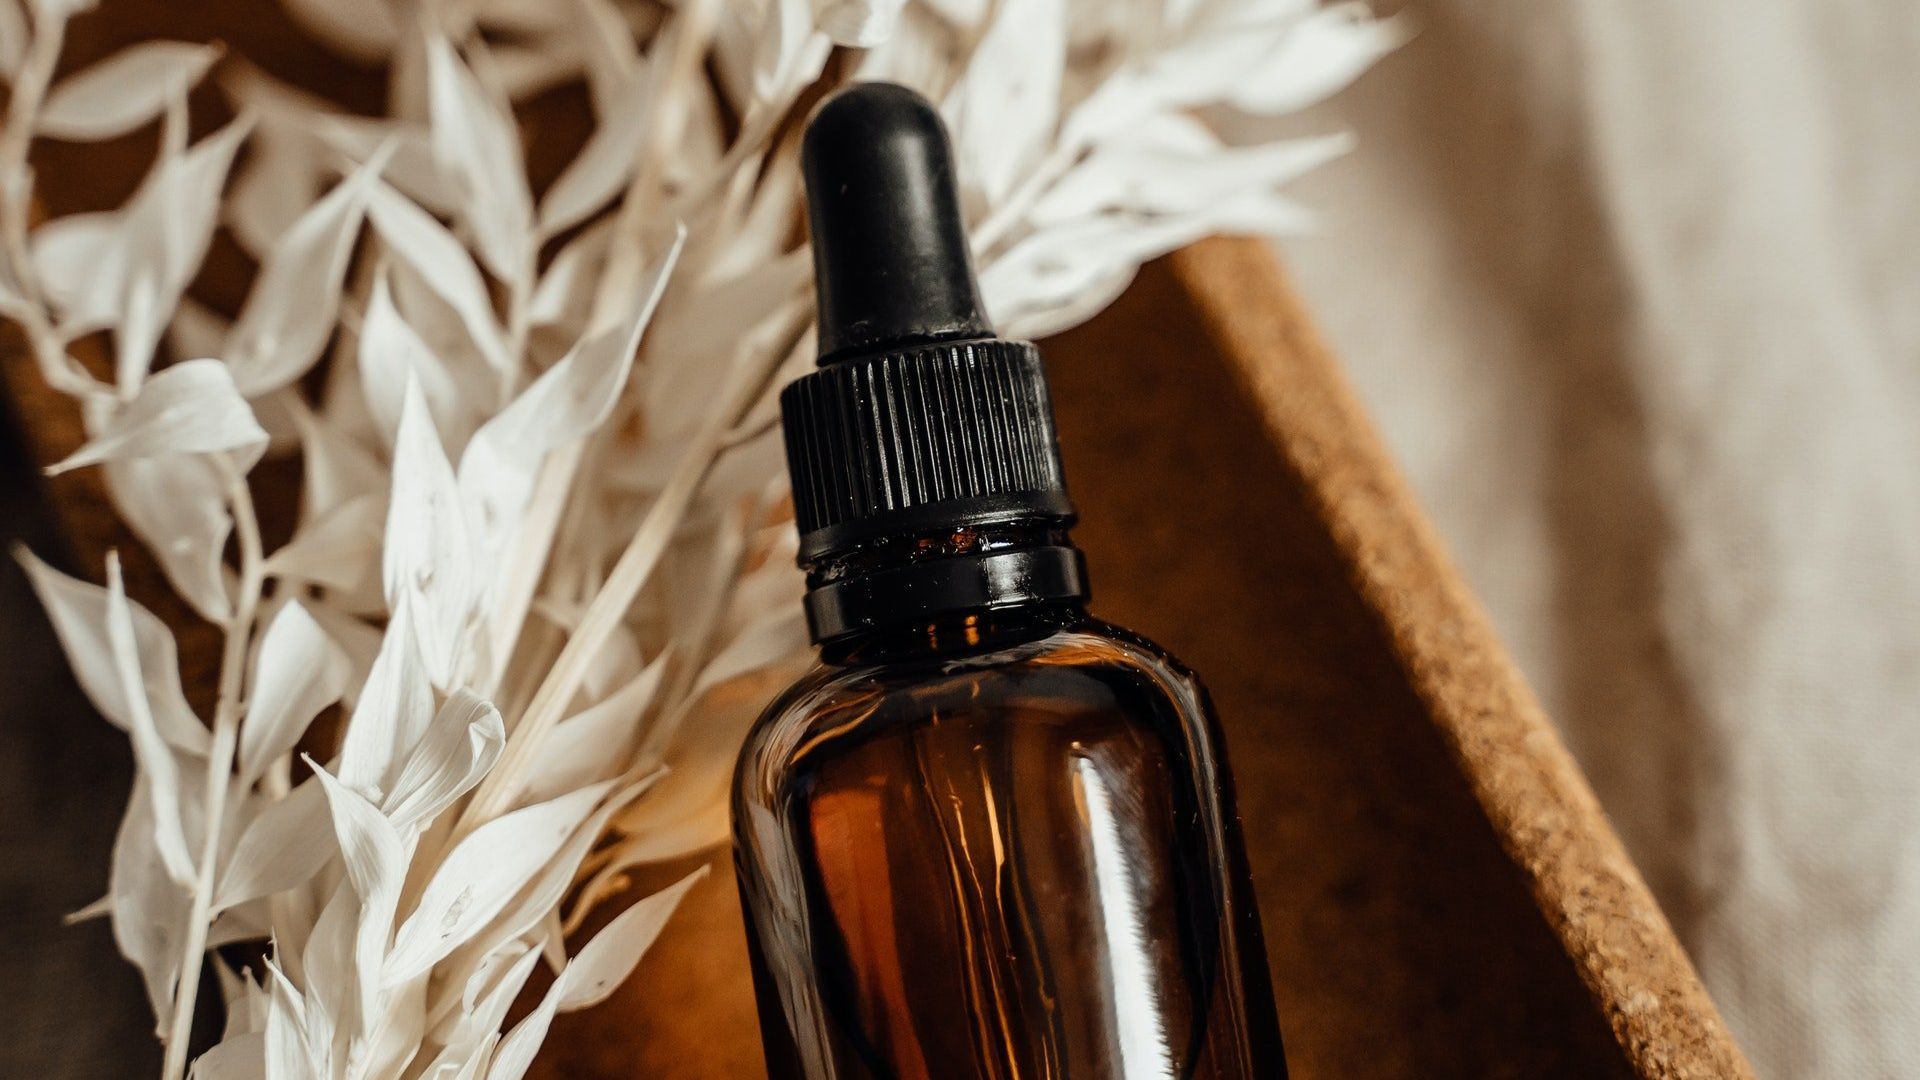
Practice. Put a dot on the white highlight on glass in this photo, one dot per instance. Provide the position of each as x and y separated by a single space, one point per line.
1141 1029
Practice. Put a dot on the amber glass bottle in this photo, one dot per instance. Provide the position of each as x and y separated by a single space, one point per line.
989 837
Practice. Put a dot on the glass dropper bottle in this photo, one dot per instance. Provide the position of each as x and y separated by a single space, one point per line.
988 837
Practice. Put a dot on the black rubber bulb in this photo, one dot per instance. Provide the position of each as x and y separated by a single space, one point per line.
890 254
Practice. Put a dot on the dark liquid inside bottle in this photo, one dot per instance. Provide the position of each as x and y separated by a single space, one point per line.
1000 847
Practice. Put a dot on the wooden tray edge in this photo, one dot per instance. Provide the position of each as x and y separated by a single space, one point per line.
1536 799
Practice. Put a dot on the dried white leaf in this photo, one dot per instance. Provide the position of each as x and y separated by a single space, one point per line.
392 356
514 1055
474 138
139 332
481 876
766 52
149 907
461 744
279 181
686 813
79 613
362 30
591 976
165 234
1257 59
243 922
290 1044
763 231
443 265
282 847
339 550
291 309
1030 289
151 753
696 822
926 50
238 1057
1004 110
599 172
393 711
376 860
59 9
329 972
568 402
686 343
177 505
524 70
485 999
358 639
190 408
617 662
969 13
550 885
595 743
611 56
372 849
1318 56
860 24
429 563
567 286
123 91
319 128
278 412
615 951
398 1033
89 263
70 254
776 637
1171 164
298 672
337 470
98 909
444 331
179 202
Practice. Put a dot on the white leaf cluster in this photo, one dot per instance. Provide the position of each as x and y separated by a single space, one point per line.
542 576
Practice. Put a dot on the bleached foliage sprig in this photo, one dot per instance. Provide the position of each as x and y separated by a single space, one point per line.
541 564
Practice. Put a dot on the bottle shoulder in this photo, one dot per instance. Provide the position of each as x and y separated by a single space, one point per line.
1088 648
1088 668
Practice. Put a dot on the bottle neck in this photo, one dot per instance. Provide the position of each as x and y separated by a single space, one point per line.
935 582
954 635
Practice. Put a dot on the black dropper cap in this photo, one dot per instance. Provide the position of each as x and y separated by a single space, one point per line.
890 256
919 419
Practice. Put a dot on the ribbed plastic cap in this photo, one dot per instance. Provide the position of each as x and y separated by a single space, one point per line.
918 419
947 436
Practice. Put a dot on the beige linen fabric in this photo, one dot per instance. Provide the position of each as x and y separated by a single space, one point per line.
1633 288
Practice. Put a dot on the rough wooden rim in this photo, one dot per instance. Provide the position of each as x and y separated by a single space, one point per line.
1536 799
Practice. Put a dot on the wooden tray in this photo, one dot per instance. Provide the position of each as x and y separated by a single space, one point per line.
1441 893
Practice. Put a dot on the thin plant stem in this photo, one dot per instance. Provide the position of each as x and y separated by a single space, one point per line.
16 207
226 731
29 91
